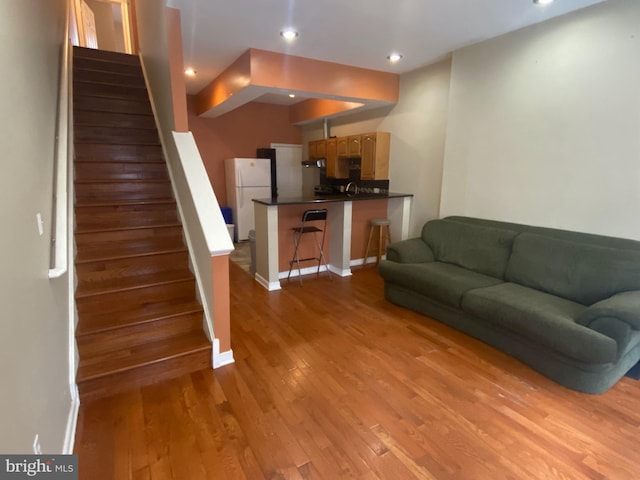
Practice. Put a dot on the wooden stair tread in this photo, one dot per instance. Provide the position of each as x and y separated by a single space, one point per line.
133 282
118 228
90 118
101 153
93 103
126 217
118 203
91 368
137 181
129 248
95 322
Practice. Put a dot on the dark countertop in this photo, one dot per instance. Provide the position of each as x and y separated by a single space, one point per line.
340 197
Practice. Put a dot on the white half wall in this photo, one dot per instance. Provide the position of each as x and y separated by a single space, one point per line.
544 124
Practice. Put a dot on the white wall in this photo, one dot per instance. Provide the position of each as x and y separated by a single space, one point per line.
544 124
34 356
417 124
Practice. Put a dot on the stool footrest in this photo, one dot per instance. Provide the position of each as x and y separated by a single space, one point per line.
291 262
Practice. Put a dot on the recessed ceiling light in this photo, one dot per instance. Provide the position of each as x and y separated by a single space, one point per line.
289 34
542 2
292 95
189 71
394 57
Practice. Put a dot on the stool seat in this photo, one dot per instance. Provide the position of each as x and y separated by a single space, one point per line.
383 226
379 222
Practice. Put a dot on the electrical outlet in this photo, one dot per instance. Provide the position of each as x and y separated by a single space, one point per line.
40 224
36 445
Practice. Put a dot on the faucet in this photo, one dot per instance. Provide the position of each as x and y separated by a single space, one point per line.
347 189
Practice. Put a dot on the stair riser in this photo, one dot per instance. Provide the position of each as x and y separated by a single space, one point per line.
93 238
111 91
122 192
115 135
147 375
112 302
120 171
109 67
93 218
133 336
88 273
115 105
119 153
98 77
110 119
105 56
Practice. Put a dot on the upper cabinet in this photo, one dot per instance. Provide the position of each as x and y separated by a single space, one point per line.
354 145
335 168
375 156
372 148
343 149
317 149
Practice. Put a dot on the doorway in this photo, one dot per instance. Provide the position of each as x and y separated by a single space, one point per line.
103 24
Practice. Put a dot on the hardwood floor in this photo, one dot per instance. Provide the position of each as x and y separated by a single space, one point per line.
331 381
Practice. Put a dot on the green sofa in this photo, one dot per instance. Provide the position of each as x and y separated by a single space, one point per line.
565 303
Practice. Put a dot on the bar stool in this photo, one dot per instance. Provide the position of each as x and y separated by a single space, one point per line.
319 215
383 225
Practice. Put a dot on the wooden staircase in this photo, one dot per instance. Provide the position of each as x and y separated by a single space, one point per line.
139 321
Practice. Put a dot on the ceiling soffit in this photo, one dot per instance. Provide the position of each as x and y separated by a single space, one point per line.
331 88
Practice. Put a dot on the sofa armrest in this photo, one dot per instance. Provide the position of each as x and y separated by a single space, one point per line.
412 250
623 306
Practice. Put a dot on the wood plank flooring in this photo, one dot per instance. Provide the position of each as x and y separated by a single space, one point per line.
331 382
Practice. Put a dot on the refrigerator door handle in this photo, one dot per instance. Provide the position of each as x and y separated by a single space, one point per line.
239 178
240 197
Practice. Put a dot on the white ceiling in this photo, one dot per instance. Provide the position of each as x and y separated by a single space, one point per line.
353 32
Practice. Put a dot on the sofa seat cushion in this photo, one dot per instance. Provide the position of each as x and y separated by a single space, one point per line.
542 318
443 282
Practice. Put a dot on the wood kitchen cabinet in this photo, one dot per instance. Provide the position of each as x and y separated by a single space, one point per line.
313 150
343 149
336 167
317 149
375 156
354 145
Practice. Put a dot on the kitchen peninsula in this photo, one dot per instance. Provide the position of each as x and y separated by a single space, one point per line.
347 227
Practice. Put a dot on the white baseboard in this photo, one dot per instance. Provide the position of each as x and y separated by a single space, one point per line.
220 359
266 284
369 260
346 272
72 422
302 271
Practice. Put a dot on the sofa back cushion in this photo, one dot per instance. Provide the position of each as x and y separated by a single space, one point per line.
482 249
579 272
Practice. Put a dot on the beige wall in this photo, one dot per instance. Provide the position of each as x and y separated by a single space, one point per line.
418 126
544 124
34 355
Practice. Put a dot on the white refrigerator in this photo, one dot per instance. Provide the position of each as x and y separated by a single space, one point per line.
247 178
